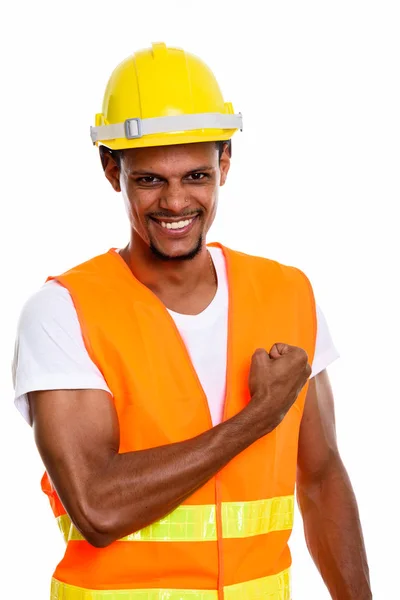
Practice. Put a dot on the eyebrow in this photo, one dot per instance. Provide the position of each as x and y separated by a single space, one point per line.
153 174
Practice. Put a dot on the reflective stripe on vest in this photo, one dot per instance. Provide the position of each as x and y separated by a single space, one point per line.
189 523
273 587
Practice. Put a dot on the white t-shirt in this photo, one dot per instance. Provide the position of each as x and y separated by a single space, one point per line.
50 353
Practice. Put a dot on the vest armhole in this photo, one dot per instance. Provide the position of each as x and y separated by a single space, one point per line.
311 297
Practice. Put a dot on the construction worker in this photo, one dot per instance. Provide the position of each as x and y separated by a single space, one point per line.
177 390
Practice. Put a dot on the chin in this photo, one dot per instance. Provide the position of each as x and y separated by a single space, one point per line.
182 254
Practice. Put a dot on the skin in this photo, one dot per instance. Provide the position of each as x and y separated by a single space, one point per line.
171 182
109 495
327 501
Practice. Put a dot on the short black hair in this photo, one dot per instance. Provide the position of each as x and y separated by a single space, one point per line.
117 154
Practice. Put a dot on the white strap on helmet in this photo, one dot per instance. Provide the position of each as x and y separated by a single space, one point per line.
136 128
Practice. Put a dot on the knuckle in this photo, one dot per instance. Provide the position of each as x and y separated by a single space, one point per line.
302 356
259 353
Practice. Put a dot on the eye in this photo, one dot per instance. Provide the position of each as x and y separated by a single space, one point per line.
147 180
198 176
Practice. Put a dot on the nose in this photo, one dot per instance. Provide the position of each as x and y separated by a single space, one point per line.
174 197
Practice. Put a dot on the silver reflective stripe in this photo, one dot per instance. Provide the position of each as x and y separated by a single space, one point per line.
136 128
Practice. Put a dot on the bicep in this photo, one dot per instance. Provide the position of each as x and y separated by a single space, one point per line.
317 439
76 432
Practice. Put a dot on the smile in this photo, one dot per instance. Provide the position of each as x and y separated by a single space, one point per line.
176 224
175 227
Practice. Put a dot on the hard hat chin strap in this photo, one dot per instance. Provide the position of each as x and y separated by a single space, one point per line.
136 128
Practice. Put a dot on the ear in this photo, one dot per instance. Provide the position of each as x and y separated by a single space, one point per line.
110 166
225 163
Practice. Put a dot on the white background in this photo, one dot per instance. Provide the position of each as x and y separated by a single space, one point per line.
314 183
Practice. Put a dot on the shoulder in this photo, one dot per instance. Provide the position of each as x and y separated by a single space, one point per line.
48 303
263 267
49 295
54 299
92 266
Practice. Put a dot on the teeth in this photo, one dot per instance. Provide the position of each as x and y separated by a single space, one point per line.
176 225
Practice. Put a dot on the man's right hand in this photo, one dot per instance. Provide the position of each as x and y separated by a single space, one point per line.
276 379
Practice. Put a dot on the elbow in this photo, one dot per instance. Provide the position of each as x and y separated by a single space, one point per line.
316 473
314 486
101 530
100 521
96 527
98 539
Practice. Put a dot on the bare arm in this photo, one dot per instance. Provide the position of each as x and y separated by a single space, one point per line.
109 495
327 502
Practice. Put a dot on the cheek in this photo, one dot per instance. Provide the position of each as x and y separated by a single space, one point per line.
213 204
128 207
136 206
212 215
208 198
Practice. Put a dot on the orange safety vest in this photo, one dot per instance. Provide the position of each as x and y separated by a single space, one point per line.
228 541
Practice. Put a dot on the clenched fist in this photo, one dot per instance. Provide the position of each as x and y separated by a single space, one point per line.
276 379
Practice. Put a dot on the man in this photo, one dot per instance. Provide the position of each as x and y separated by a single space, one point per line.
168 383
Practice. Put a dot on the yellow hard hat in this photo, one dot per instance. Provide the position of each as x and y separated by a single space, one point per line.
162 96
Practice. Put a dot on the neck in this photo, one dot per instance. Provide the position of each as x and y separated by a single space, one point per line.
175 282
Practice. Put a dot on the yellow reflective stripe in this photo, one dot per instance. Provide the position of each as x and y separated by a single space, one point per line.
273 587
192 523
186 523
63 591
66 527
245 519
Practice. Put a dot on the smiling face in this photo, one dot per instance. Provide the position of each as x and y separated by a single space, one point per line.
171 195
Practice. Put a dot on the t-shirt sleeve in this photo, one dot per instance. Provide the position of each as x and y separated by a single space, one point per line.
325 350
50 353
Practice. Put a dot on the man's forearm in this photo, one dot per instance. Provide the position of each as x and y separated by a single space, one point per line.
333 532
109 494
139 488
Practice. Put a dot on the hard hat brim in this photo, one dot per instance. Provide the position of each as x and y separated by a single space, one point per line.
169 139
